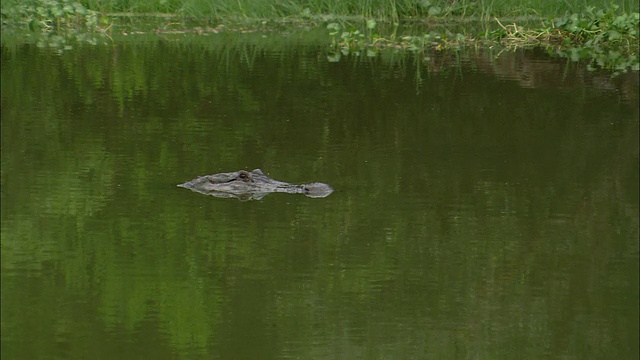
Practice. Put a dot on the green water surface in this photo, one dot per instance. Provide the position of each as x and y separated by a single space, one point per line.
484 208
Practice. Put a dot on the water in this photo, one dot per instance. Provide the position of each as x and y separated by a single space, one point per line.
484 208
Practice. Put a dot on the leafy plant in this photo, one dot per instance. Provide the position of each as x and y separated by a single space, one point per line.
53 15
603 37
597 26
56 22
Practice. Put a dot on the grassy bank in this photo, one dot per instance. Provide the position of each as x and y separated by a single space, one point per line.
602 32
380 10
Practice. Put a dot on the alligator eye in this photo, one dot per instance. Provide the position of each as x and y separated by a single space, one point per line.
244 177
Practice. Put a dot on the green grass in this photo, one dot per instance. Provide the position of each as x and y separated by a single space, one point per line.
386 10
604 31
382 10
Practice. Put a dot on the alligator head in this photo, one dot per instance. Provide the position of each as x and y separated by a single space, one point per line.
251 185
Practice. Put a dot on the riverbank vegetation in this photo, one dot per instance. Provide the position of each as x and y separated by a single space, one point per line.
603 33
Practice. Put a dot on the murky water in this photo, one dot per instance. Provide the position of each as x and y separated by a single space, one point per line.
484 208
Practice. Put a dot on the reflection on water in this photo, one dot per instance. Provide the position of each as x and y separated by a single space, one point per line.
484 207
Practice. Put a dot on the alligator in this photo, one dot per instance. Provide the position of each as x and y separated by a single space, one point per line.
251 185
